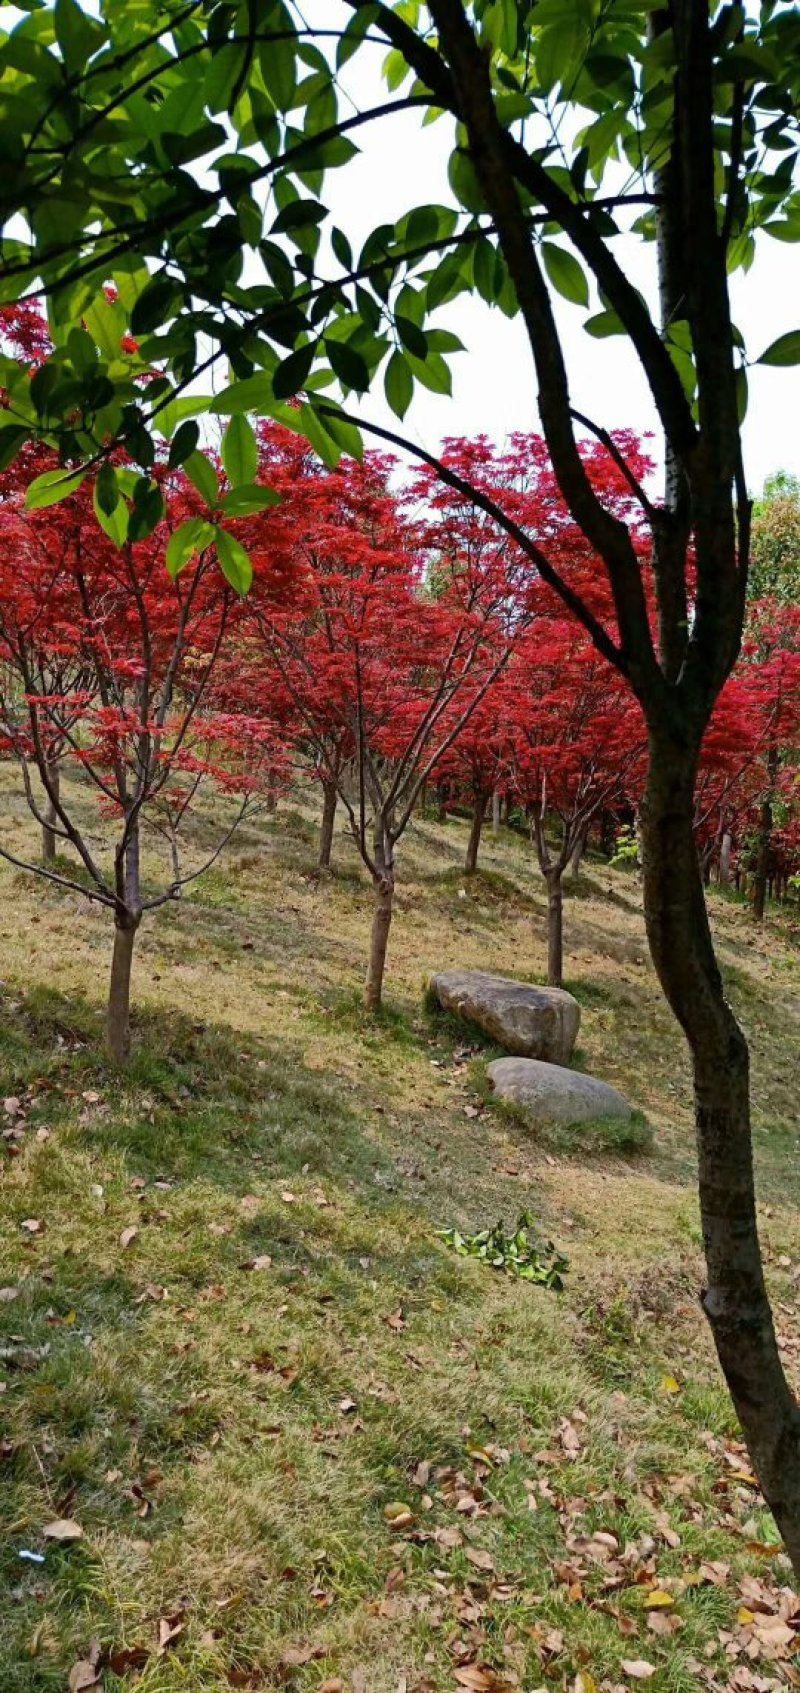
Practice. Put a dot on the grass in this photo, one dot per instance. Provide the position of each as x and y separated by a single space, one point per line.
237 1442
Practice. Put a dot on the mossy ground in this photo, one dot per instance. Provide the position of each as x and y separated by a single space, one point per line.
229 1437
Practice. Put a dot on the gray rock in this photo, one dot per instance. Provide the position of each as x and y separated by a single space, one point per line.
553 1094
533 1022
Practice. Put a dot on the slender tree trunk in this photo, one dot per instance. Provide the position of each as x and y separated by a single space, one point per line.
118 1025
761 877
473 844
49 837
735 1300
725 860
555 927
127 917
578 851
496 807
329 800
383 900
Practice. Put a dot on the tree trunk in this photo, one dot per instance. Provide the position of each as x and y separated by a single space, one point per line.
577 853
383 899
725 860
118 1025
478 810
735 1300
761 877
555 928
383 896
329 799
496 808
49 837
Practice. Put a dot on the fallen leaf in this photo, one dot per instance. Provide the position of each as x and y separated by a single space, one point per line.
398 1514
469 1675
658 1600
7 1294
638 1669
670 1384
124 1658
169 1629
128 1236
85 1673
32 1225
481 1560
63 1529
294 1657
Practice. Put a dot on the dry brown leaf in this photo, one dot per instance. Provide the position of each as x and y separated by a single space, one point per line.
638 1669
64 1529
294 1657
128 1236
469 1675
169 1628
121 1659
32 1225
84 1674
481 1560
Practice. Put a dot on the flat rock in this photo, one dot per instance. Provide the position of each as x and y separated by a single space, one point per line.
533 1022
553 1094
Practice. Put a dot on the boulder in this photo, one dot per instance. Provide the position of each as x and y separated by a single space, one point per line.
553 1094
533 1022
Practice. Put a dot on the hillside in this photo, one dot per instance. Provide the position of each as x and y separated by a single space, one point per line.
235 1400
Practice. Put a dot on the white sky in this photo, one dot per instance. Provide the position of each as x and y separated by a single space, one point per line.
401 164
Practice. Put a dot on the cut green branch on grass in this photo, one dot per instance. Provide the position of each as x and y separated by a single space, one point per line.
519 1253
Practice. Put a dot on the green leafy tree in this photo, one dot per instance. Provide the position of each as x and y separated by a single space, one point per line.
160 146
775 545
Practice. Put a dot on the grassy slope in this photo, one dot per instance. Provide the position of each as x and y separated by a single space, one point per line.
229 1437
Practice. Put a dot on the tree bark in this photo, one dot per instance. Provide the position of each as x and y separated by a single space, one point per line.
496 810
761 877
735 1300
578 851
49 837
725 860
329 800
473 844
118 1026
555 928
383 900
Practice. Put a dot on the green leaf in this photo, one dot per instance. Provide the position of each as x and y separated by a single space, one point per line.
77 35
147 509
412 337
277 63
189 538
602 324
786 350
11 439
183 442
244 500
398 383
253 393
565 273
106 489
109 509
154 305
240 450
203 477
351 369
51 487
292 373
234 562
